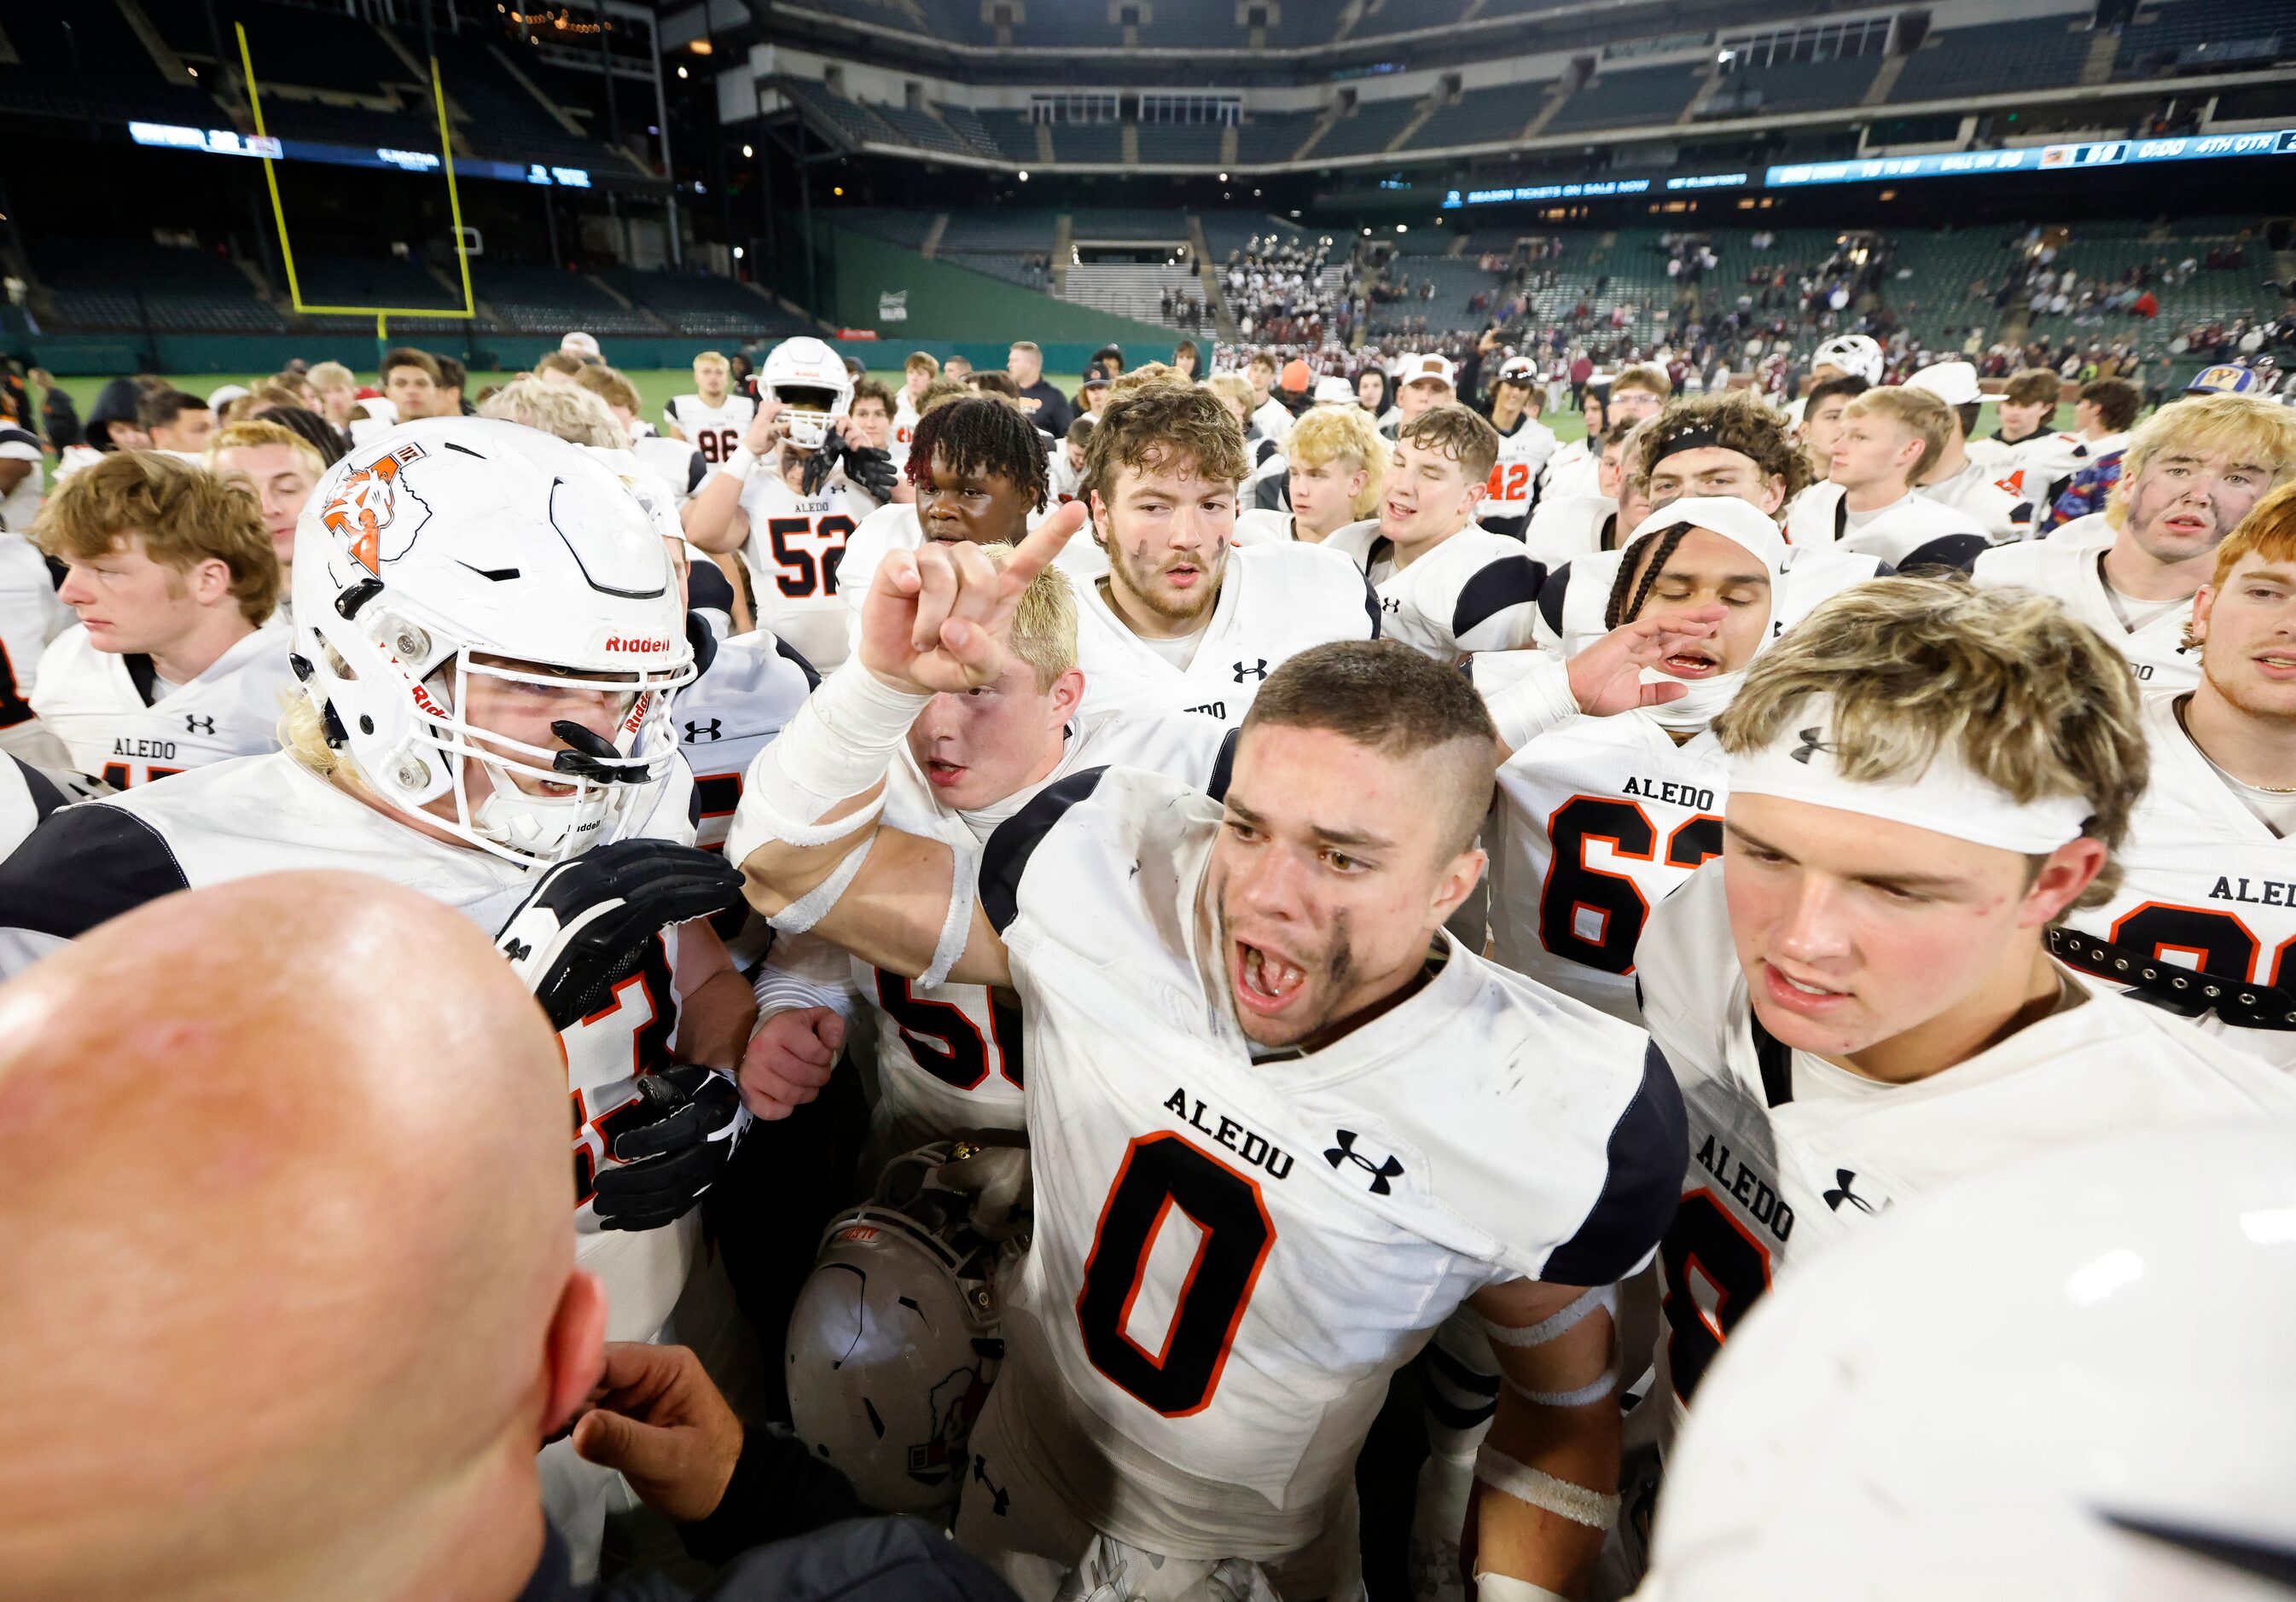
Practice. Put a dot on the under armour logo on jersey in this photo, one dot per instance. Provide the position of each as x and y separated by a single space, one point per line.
1386 1168
1258 670
1842 1179
196 724
517 951
1809 743
695 730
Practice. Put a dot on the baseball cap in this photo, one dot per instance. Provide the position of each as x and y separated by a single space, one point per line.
1295 376
1095 377
581 344
1953 382
2224 377
1430 364
1519 370
1334 392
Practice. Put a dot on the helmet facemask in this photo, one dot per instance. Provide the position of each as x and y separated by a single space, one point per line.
807 413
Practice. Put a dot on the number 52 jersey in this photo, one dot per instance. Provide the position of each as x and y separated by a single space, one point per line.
1233 1255
2204 884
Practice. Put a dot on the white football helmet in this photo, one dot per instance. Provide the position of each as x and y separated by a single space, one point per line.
894 1341
451 540
2069 1378
812 385
1853 353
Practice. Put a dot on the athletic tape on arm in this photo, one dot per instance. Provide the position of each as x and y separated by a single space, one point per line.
1565 1498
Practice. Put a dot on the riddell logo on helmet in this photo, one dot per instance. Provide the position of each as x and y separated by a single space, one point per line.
645 648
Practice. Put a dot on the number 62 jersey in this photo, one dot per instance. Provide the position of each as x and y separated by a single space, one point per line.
2204 884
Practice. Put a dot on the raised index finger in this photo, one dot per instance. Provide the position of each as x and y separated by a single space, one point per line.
1035 553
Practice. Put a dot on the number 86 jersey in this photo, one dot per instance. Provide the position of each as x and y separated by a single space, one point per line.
2204 883
1597 820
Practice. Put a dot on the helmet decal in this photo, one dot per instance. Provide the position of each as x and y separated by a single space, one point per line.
374 498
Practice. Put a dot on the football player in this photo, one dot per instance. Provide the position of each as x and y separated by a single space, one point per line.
178 423
2081 480
1636 395
1566 526
1953 477
1845 355
1867 504
1278 1119
713 417
1335 465
680 466
410 382
176 660
1185 620
1421 382
1821 419
2190 475
1269 415
1446 585
2209 874
917 374
948 1056
280 467
1525 444
1857 998
2028 403
785 500
22 480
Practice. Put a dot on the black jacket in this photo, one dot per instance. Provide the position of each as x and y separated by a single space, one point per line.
1054 414
863 1560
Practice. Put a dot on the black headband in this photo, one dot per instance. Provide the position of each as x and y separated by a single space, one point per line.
1696 437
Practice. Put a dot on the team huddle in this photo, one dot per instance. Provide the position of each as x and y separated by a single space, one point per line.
1318 904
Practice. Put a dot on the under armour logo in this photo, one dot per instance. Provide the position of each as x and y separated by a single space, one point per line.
1258 670
195 724
518 950
1809 742
698 730
1385 1169
1842 1177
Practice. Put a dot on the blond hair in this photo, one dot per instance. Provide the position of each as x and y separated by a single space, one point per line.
2247 427
184 514
1645 376
1326 434
712 358
1043 627
302 731
568 411
1917 411
253 435
327 376
2031 700
608 384
1232 387
922 361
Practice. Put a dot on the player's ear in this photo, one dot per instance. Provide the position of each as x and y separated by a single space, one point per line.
2058 880
210 582
1458 882
573 1349
1773 495
1067 693
1099 519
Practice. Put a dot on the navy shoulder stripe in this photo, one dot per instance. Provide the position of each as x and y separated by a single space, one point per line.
1006 855
1649 1147
84 865
1223 766
1512 581
1371 601
1551 594
789 653
697 469
707 586
1956 553
45 797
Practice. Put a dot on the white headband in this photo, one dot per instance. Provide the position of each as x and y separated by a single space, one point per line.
1740 521
1949 797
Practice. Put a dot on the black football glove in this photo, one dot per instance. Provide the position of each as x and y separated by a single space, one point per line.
585 925
661 1168
822 462
871 468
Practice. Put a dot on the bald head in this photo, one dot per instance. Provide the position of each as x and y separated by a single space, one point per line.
287 1218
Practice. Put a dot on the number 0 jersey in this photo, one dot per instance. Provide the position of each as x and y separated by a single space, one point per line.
2204 884
1597 821
795 549
266 814
1233 1255
1783 1160
122 727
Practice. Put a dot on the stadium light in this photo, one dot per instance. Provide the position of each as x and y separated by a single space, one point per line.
738 253
1403 227
681 72
1223 177
747 153
1024 177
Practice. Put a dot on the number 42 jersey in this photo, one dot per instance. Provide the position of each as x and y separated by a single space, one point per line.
2204 884
1234 1254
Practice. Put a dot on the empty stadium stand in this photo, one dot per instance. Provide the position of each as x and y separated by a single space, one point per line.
2185 35
1622 98
1995 58
107 286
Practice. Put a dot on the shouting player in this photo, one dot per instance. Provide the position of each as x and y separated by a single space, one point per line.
1253 1048
176 660
2188 478
1859 998
2209 874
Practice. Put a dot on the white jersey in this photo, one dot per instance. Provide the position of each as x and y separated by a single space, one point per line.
1273 420
794 556
1597 821
1232 1255
1274 602
21 505
715 431
30 616
949 1056
1475 591
752 687
1514 485
2204 884
122 726
678 464
1067 482
1789 1154
904 429
2073 571
2000 515
266 814
1820 516
1562 530
1573 470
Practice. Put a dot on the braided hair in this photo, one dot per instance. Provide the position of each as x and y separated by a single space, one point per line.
985 435
1627 596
